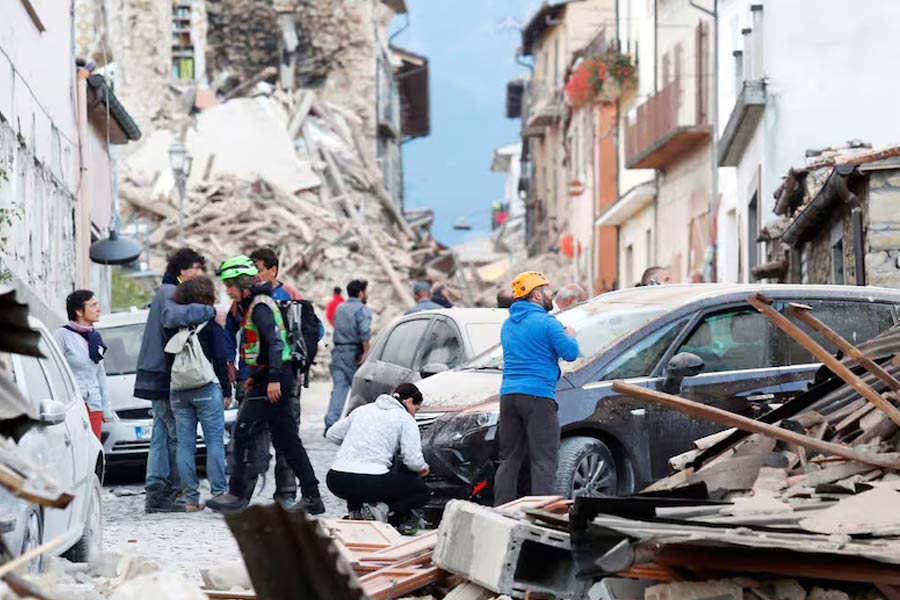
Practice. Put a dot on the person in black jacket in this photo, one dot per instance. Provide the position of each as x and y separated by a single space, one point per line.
266 352
205 404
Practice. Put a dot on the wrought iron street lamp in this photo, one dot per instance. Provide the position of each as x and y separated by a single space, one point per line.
180 162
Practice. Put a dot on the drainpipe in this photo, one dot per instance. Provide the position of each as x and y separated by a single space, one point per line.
859 253
82 271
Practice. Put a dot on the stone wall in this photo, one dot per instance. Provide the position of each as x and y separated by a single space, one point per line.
37 229
883 229
339 43
819 263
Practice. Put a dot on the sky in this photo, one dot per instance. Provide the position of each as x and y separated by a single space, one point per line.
471 47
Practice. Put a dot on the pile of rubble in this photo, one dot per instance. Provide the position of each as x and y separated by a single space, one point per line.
283 170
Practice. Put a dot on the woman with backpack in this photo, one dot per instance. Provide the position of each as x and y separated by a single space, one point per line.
194 401
83 348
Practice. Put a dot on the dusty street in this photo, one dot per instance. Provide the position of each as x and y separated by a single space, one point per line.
188 543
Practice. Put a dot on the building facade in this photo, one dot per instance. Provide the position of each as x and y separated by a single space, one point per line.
785 91
57 123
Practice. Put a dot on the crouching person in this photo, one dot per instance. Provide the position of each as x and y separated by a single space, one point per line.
365 473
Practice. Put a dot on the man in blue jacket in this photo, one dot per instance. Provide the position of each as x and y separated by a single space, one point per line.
154 371
533 342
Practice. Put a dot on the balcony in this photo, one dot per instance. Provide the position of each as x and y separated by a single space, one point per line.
543 106
666 128
746 114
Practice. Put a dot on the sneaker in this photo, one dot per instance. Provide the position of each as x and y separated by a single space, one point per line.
410 525
311 504
377 511
227 503
155 503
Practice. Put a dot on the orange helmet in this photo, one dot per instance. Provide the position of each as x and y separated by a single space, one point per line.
527 281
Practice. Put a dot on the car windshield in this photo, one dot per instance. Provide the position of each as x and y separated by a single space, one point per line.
123 344
483 335
596 325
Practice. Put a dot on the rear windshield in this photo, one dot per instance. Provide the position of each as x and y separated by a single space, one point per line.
123 345
596 326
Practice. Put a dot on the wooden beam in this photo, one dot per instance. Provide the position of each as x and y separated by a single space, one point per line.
728 419
762 304
803 313
243 88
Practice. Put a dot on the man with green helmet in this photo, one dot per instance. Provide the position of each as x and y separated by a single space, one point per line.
265 350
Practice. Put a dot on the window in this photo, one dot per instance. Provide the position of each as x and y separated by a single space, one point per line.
641 358
59 379
400 348
752 233
124 346
837 262
35 381
483 335
856 322
443 345
731 341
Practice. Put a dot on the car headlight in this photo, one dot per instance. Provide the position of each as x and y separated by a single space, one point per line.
454 429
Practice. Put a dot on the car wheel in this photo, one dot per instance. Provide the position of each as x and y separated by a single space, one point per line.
32 537
91 542
586 468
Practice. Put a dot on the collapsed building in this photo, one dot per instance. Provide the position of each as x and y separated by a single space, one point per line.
293 114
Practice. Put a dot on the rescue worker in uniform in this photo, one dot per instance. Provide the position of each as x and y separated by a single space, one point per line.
352 330
533 343
266 352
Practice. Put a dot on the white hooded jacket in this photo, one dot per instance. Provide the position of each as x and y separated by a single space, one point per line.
371 435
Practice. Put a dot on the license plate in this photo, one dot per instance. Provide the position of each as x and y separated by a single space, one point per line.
141 432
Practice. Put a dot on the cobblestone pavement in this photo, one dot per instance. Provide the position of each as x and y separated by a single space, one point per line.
190 542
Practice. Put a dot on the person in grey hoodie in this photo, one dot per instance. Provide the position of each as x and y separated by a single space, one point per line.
365 472
153 377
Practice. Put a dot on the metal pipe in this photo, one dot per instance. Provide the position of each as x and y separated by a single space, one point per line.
858 250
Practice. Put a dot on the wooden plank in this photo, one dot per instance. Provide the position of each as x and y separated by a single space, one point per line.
738 473
363 534
225 595
854 417
723 417
762 304
803 313
832 473
29 555
416 545
243 88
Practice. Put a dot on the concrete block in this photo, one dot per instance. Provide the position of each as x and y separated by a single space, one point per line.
619 588
469 591
696 590
505 555
227 576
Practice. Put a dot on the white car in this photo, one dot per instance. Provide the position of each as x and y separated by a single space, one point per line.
65 447
126 439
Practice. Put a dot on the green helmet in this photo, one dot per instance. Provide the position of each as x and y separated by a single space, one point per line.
237 266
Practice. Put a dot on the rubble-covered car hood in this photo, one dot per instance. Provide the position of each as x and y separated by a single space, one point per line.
453 391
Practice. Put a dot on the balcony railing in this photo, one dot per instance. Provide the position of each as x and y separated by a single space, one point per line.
543 105
663 129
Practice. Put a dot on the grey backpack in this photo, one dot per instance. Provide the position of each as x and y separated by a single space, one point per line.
191 369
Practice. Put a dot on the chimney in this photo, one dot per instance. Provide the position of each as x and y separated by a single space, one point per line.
749 73
757 11
738 71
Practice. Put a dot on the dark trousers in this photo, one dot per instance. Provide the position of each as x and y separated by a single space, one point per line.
528 425
285 481
257 414
401 489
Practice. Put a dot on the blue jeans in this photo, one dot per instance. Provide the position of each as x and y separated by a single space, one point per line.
162 473
343 367
203 405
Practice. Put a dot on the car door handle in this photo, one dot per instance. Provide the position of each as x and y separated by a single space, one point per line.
68 439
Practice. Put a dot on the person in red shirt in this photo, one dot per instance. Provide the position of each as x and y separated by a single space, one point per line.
336 300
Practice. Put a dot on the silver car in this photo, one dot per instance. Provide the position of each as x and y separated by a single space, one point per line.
64 446
126 439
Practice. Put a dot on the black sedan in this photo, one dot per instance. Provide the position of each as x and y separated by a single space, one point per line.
650 337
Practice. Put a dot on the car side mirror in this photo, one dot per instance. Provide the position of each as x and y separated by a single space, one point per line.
433 369
683 364
53 411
